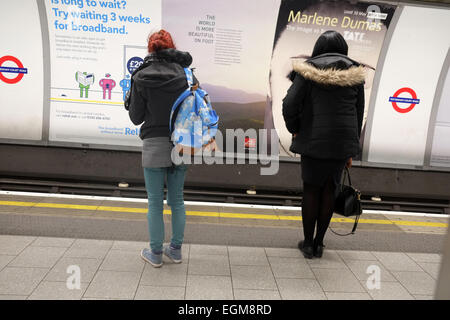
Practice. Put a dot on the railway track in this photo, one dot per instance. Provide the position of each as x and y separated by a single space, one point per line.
369 202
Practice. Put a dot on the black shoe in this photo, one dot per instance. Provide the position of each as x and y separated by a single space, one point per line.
307 251
318 251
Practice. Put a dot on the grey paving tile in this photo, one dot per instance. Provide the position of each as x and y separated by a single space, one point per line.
12 297
129 245
52 242
113 284
208 288
283 252
88 268
56 291
247 256
416 282
431 268
329 260
169 275
209 265
20 281
90 243
86 248
13 245
95 252
355 255
425 257
347 296
300 289
291 268
338 280
253 277
361 270
4 260
248 251
199 249
243 294
422 297
120 260
397 261
38 257
389 291
160 293
103 299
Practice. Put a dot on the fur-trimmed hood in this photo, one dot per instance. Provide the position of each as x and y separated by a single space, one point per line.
331 69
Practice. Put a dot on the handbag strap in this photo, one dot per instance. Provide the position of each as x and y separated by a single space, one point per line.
353 229
347 174
355 225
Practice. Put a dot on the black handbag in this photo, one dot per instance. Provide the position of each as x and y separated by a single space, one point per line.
348 201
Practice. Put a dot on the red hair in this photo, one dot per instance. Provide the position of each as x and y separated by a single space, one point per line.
159 41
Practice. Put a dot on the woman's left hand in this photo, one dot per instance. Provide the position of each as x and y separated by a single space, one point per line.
349 163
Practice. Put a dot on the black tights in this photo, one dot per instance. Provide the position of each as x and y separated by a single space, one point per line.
317 207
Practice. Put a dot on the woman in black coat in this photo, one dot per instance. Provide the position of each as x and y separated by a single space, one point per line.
324 109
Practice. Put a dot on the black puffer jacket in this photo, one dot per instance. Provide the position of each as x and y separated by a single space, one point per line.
325 107
155 90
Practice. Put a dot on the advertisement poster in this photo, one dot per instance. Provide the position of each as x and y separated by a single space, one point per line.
21 71
231 51
299 25
407 88
95 45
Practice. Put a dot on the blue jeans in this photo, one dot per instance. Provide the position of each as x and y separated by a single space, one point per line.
154 183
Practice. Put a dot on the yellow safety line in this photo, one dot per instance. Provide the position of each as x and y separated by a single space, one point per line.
87 101
217 214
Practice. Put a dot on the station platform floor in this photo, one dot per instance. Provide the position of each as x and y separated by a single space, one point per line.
230 252
36 268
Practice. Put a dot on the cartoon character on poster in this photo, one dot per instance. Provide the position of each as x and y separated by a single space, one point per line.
85 80
107 84
125 84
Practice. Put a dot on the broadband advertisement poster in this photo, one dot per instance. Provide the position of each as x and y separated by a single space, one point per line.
95 45
299 25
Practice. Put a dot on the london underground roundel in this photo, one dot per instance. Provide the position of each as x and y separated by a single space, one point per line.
19 70
410 102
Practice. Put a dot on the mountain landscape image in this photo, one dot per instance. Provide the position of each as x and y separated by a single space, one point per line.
236 109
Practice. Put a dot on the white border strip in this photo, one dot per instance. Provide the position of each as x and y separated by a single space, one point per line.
209 204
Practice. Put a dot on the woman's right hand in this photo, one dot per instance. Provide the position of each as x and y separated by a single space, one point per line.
349 163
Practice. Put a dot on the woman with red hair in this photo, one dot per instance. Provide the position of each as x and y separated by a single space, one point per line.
155 89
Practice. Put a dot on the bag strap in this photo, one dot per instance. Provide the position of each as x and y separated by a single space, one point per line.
176 104
189 77
346 175
184 95
355 225
353 229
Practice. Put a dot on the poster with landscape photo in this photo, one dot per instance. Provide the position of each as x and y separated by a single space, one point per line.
231 45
